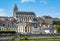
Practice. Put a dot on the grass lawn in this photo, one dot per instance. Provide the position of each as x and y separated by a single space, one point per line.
41 39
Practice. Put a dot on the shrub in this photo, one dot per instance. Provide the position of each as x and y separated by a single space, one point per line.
7 31
57 27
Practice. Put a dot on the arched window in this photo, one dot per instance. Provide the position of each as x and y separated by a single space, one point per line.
25 29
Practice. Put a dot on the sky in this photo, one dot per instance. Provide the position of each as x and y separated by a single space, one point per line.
39 7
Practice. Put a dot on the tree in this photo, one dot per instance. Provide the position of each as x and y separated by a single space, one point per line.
56 22
25 38
57 27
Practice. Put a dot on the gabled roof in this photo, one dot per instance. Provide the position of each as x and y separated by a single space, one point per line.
32 24
56 19
47 16
25 13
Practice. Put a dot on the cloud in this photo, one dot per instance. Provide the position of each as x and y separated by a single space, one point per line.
43 1
23 1
2 12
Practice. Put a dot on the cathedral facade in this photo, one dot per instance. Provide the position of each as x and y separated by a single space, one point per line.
22 16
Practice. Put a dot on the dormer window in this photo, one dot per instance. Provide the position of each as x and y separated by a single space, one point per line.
35 27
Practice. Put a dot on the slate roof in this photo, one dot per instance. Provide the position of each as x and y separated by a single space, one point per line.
25 13
47 16
32 24
5 17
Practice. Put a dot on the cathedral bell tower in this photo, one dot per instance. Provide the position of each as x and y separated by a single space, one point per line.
14 11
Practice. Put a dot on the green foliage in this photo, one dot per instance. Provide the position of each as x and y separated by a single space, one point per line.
56 22
25 37
57 27
7 31
12 39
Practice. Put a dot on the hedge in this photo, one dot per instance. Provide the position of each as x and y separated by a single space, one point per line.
7 31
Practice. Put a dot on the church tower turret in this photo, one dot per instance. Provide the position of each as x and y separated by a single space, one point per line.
15 10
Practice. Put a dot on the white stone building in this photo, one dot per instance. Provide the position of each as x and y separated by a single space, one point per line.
31 27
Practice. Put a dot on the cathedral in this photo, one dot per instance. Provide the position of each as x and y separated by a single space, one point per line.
22 16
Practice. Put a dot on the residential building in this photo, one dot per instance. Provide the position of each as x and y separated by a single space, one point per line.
48 19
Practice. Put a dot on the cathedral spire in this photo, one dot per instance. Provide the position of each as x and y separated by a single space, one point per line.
15 8
14 11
